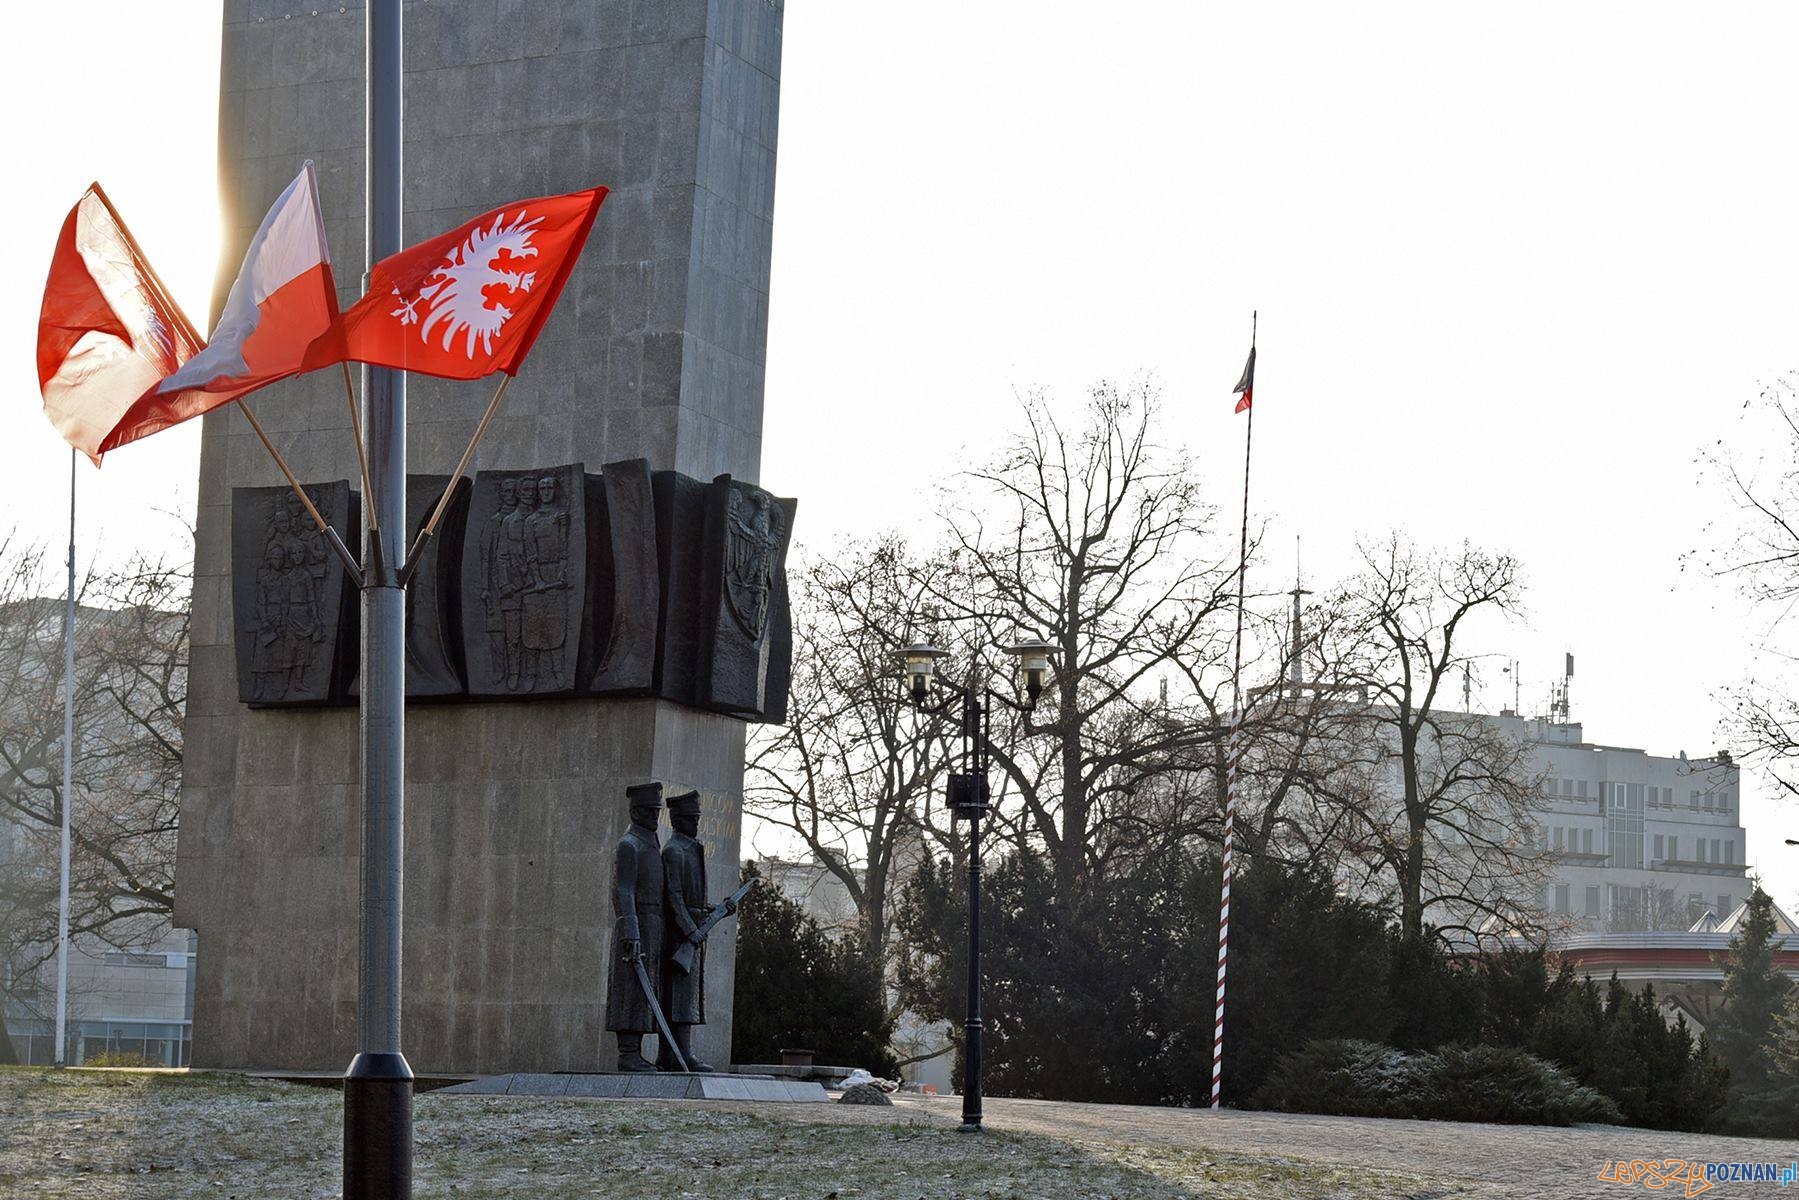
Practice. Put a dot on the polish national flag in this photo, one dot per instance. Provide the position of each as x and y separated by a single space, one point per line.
108 330
283 301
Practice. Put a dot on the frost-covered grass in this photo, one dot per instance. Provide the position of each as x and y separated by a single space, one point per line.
151 1136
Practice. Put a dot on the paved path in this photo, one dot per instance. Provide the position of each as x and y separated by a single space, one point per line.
1469 1160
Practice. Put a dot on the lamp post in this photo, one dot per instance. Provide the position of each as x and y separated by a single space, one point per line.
968 795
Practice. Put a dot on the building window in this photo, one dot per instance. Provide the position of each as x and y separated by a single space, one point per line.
1715 855
1624 831
1581 789
1730 853
1660 845
1701 850
1724 905
1693 801
1561 899
1586 841
1558 837
116 958
1592 900
1673 848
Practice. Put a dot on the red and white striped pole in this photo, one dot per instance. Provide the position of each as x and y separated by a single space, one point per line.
1224 909
1232 751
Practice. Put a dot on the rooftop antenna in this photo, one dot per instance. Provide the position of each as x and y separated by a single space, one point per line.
1296 670
1517 708
1567 678
1467 688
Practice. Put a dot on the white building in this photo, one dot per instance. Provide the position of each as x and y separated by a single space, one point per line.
1638 841
130 1005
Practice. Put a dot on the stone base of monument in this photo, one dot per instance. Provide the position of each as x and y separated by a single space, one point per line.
658 1086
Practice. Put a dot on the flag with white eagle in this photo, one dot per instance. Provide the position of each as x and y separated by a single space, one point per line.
471 301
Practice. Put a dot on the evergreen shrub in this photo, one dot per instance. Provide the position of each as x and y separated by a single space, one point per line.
1352 1078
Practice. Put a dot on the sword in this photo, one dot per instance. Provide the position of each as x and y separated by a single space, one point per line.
649 993
684 953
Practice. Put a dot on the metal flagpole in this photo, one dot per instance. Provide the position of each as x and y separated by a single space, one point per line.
378 1083
1232 746
68 787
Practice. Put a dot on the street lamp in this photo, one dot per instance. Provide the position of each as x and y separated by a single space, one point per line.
968 795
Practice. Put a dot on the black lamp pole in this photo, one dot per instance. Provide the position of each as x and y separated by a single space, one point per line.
975 729
968 801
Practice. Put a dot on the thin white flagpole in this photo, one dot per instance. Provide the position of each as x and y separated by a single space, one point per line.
68 786
1233 750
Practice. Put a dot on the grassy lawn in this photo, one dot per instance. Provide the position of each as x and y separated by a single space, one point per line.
126 1134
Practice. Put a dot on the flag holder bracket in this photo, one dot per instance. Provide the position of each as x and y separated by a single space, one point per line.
337 543
420 544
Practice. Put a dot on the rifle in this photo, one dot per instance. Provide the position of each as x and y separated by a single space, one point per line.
684 953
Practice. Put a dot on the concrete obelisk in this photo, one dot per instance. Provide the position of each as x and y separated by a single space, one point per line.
656 351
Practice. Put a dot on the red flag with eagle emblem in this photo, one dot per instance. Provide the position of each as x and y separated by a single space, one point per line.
471 301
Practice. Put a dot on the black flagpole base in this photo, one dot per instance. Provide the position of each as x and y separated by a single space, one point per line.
378 1128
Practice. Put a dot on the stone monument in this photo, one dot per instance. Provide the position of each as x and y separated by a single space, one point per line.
537 695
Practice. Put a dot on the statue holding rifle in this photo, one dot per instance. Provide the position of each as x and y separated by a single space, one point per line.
688 921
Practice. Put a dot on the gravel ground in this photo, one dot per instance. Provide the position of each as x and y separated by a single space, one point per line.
1484 1160
124 1134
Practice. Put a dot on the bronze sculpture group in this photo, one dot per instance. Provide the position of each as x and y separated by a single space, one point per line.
658 981
287 623
524 584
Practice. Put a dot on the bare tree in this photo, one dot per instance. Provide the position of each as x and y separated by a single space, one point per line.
1096 539
1758 551
853 770
130 693
1442 803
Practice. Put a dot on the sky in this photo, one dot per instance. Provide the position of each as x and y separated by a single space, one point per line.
1517 267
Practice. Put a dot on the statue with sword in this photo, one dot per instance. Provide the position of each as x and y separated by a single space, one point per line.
653 942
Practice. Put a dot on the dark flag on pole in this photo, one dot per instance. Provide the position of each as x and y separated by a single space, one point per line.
1246 386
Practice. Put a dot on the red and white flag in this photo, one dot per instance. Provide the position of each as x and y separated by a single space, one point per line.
108 331
1246 386
471 301
282 305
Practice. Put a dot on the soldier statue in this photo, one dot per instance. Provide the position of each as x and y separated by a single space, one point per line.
637 902
686 924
